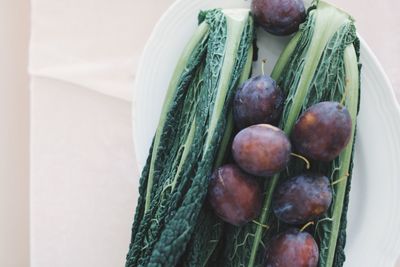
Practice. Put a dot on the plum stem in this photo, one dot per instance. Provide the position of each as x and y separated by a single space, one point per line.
320 221
344 177
306 225
308 165
263 66
260 224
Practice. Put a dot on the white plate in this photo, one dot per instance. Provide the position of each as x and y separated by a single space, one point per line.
374 213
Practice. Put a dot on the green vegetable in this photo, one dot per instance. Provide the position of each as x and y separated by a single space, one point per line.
334 231
185 147
209 227
320 63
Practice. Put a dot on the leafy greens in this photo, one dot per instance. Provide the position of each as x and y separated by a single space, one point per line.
174 181
320 63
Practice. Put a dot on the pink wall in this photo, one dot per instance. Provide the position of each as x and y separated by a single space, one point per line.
14 152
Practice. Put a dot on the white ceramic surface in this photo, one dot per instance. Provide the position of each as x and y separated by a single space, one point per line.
374 217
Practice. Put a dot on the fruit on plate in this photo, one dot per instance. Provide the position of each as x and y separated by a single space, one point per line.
302 198
292 248
322 131
234 195
279 17
261 149
258 100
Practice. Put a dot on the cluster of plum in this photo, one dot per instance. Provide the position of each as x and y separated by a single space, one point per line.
260 149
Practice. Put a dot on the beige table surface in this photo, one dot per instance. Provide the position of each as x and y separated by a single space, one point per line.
83 173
